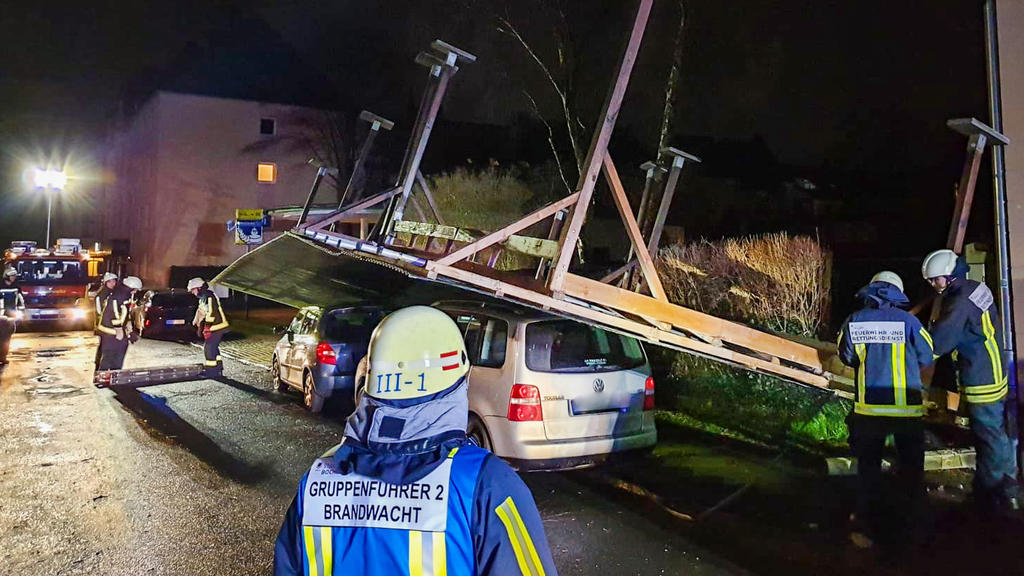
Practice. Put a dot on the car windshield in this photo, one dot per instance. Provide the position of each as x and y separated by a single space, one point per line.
50 271
567 346
350 325
174 300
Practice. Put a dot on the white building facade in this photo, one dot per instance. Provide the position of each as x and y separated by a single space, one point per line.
179 168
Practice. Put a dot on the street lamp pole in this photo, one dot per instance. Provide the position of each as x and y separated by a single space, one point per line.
49 210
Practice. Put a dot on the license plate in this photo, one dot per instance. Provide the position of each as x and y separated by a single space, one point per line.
175 322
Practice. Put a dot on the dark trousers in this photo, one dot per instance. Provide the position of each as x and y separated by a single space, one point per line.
867 440
995 474
7 329
211 350
112 352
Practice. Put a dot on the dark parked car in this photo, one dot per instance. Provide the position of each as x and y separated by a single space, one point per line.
320 349
165 314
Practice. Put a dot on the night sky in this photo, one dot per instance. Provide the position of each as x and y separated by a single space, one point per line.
855 93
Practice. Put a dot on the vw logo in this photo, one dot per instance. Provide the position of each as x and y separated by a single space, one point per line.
598 385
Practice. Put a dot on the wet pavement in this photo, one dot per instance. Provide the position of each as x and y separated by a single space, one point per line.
194 478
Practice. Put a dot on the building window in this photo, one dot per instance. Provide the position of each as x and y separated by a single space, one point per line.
266 172
268 126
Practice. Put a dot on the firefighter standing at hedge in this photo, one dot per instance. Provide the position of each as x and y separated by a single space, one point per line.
12 309
887 347
968 326
211 323
406 492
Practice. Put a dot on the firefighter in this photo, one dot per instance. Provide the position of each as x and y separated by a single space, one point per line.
114 327
12 309
968 327
406 492
887 347
107 285
210 322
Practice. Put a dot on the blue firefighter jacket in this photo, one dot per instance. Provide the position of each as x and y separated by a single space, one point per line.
968 325
887 347
371 505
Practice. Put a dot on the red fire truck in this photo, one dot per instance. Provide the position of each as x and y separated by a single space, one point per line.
56 283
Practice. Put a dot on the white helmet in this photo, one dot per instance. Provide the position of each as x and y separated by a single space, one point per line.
195 283
108 277
133 282
415 352
9 271
890 277
938 263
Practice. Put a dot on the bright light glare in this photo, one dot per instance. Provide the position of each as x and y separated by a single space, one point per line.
77 314
49 179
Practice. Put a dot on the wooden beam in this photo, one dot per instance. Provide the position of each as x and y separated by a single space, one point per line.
507 231
692 320
632 230
430 197
598 148
965 192
637 329
611 276
361 205
666 203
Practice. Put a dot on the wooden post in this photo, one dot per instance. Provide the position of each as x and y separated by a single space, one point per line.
678 158
430 197
652 170
598 148
632 230
965 192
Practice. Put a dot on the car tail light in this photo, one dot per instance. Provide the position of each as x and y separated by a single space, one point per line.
147 321
325 354
524 404
649 393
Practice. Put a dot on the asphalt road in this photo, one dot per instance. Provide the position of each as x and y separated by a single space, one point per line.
194 478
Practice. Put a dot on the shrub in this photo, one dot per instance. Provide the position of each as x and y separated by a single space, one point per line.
775 282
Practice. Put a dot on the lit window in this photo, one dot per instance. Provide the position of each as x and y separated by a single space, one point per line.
266 172
268 126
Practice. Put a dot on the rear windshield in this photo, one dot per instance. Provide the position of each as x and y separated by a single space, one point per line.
352 326
567 346
174 300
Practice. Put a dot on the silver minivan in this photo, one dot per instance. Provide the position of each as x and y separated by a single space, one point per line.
546 392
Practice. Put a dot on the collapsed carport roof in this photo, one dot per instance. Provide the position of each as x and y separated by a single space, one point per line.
299 272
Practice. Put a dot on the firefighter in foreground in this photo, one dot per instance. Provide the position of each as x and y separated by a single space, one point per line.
887 347
968 326
405 492
210 322
107 286
115 326
12 308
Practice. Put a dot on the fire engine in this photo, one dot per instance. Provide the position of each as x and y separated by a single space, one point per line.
56 282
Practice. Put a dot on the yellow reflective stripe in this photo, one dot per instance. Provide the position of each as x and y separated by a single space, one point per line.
440 555
220 326
327 549
987 398
307 537
861 369
895 411
209 362
522 544
106 330
415 553
984 389
899 384
927 338
453 451
839 340
992 347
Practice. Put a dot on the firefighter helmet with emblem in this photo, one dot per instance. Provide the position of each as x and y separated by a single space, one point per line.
415 352
938 263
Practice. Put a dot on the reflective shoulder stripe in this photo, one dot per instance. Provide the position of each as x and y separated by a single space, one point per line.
319 546
427 554
522 544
